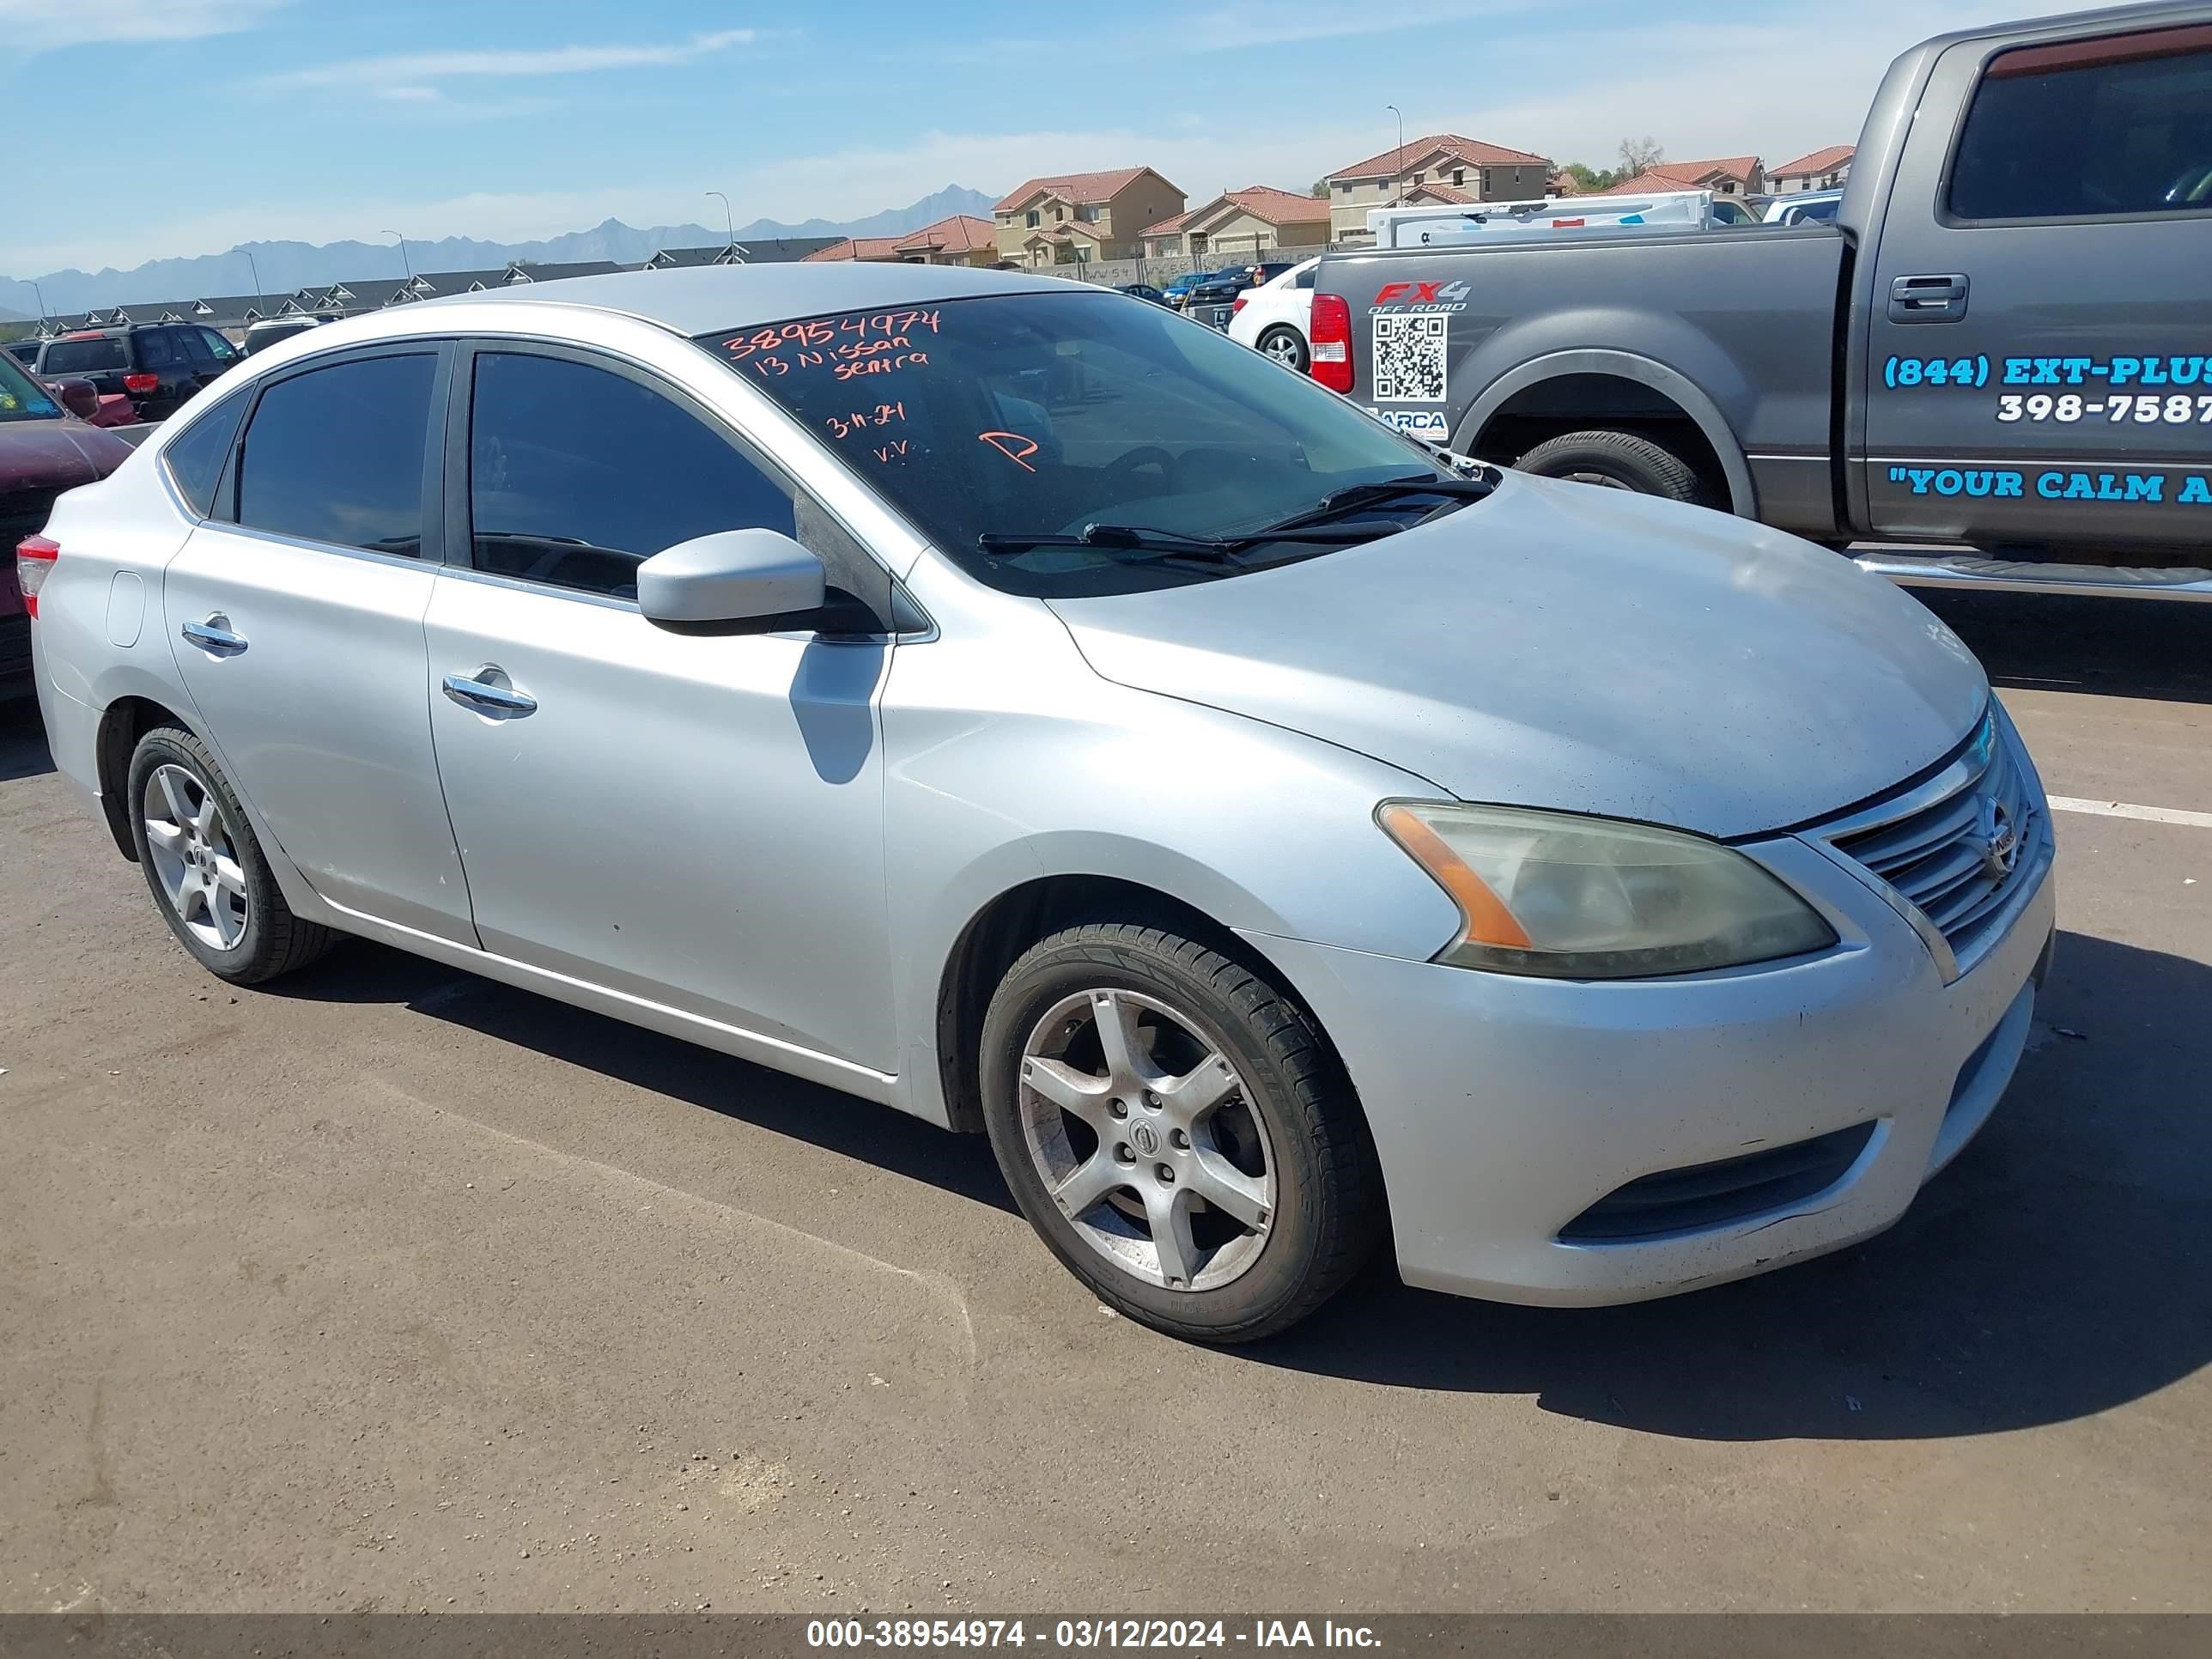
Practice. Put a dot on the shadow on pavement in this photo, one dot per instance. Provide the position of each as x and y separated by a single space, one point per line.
2061 1267
360 972
23 751
2112 648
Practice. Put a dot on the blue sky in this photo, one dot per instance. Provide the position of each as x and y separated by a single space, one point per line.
186 126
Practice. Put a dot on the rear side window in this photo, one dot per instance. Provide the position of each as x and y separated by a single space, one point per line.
2118 126
196 455
335 454
578 475
157 350
82 357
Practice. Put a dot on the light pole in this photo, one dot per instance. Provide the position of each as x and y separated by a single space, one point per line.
1397 178
405 263
729 225
41 292
252 267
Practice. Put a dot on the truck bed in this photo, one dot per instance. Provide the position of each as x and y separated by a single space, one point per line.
1727 331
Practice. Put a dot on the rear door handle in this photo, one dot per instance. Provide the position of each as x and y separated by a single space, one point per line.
1928 298
498 702
214 637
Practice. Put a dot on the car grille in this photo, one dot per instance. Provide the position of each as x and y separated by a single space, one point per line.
1958 848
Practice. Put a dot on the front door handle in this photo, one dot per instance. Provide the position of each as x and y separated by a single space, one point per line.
214 637
479 695
1928 298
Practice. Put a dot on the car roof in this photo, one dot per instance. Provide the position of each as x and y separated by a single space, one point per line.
714 299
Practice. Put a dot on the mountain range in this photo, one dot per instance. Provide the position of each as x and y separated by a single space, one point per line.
285 266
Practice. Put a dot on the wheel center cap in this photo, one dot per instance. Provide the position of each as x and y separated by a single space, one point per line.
1145 1138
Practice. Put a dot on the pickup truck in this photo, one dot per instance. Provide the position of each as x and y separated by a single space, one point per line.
1999 355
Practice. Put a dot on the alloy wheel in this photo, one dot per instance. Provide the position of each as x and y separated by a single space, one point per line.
188 839
1141 1130
1282 348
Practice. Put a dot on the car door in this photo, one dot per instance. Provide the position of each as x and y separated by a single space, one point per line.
295 613
2038 367
694 817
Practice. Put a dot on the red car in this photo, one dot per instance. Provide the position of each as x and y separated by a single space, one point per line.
44 448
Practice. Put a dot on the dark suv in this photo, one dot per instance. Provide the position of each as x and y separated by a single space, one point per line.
159 366
1212 298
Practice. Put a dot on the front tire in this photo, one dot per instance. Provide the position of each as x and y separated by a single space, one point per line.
1172 1126
1616 461
1282 343
208 879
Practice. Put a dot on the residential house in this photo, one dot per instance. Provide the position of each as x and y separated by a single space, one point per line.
1731 175
1824 169
872 250
1254 220
962 239
1440 168
1076 218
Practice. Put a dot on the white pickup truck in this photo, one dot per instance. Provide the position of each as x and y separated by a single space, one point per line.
1436 226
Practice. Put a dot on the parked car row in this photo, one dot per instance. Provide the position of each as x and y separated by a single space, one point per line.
157 366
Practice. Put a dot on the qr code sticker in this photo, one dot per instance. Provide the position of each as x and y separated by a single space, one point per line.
1409 358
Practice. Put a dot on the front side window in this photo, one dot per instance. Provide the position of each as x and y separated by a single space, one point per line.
2118 126
217 348
1046 414
578 475
335 454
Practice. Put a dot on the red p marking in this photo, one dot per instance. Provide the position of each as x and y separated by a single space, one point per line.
1011 445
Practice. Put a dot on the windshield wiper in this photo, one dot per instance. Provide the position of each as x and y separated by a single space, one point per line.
1141 538
1374 495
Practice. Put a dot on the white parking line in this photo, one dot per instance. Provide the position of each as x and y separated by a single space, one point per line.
2121 809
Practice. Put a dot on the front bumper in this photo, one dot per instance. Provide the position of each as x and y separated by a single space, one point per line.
1505 1108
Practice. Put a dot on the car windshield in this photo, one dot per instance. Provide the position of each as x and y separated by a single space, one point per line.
1046 415
84 357
22 397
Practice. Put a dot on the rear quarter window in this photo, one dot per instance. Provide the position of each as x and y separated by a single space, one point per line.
82 357
195 456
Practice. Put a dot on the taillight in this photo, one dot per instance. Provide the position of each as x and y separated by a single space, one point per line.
142 383
1239 306
1329 334
34 556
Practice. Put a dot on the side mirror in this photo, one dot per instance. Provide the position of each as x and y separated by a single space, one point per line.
80 398
731 576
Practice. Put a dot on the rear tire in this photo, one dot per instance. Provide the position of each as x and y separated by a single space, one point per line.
1616 461
1282 343
1220 1122
206 872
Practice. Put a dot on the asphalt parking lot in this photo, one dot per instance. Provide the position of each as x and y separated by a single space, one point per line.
395 1289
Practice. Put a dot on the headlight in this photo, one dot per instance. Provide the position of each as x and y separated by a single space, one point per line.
1565 897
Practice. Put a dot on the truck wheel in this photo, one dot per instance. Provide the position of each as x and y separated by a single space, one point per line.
1615 461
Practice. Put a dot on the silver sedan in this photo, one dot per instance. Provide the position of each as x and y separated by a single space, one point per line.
1019 706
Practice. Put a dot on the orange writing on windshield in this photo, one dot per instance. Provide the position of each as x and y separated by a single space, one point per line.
1011 445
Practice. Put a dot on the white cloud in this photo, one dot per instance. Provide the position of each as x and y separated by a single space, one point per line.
39 25
416 67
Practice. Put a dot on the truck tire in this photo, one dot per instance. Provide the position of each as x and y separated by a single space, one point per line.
1616 461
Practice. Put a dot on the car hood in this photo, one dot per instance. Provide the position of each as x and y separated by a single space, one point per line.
1563 645
56 454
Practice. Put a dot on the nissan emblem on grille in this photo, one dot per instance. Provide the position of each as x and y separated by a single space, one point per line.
2000 841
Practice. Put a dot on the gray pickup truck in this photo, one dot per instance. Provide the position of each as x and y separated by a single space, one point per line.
2000 354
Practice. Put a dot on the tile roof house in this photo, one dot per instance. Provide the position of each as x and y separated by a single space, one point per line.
1731 175
876 249
1253 220
1076 218
1471 169
962 239
1824 169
